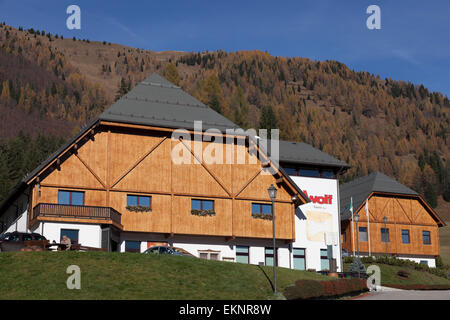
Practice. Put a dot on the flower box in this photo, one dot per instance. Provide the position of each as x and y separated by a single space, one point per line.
203 213
138 208
262 216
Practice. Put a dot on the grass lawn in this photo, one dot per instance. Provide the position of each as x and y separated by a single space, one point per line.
389 276
111 275
444 239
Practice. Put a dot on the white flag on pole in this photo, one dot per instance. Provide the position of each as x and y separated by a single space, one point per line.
353 229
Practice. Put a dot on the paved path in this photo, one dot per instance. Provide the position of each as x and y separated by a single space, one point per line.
408 295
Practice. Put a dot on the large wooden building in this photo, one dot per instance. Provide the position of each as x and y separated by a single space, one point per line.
400 222
137 177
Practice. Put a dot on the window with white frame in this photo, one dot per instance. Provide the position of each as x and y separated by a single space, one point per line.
209 254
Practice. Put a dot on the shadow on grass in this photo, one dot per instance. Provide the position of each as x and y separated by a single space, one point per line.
267 277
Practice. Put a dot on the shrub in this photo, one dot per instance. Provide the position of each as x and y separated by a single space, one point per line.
312 289
348 259
393 261
403 273
439 262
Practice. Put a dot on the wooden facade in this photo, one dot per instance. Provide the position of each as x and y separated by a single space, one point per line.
403 213
112 160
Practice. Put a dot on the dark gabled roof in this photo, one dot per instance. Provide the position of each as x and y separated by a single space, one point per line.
302 153
361 188
157 102
153 102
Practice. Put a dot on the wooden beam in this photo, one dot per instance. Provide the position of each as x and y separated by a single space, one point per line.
108 176
206 168
153 128
263 200
91 171
138 162
62 152
247 183
50 185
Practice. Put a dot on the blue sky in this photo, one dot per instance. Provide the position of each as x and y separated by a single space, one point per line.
412 45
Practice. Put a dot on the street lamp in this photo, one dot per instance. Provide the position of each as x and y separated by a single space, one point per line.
273 194
357 233
385 234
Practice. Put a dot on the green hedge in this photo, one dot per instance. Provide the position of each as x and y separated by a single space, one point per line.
393 261
313 289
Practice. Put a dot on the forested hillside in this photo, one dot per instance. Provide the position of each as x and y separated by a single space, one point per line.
51 85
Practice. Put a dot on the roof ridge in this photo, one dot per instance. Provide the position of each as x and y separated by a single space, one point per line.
158 118
177 103
156 84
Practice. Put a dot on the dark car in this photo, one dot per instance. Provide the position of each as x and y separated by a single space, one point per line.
15 241
168 250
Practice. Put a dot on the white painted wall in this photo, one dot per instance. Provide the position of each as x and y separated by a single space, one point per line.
321 218
88 234
226 249
431 261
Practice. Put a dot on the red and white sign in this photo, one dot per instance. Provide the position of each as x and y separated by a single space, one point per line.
325 199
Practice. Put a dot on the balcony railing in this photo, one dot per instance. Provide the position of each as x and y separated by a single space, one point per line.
79 212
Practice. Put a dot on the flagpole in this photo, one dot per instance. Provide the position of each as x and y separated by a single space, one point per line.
353 228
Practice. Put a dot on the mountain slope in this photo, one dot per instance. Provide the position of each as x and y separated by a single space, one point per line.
373 124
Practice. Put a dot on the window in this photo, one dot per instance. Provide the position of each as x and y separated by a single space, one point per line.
209 255
299 258
229 259
384 234
363 234
269 257
72 234
261 208
309 172
324 261
74 198
139 201
291 171
242 254
132 246
425 262
426 237
405 236
198 204
329 174
344 237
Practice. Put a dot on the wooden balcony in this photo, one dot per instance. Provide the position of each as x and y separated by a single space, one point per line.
72 213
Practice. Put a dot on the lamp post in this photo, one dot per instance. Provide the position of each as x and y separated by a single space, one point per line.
357 234
385 234
273 194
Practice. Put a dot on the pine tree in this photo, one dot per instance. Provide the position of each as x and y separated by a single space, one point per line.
240 108
171 74
430 195
123 89
268 120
